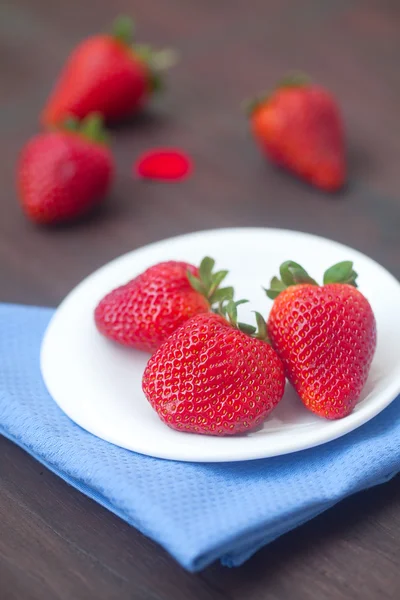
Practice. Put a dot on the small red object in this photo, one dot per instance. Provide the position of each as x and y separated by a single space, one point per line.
163 164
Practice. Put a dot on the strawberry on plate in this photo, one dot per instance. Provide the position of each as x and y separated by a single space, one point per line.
215 376
145 311
63 174
325 336
106 73
299 127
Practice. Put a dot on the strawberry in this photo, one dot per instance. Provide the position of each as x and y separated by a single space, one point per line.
325 336
145 311
63 174
215 376
106 74
299 127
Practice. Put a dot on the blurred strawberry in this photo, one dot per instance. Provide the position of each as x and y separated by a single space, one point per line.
63 174
299 127
106 74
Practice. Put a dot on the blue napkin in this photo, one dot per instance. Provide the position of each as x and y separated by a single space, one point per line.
197 512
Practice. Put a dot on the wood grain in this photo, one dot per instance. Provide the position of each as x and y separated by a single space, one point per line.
54 542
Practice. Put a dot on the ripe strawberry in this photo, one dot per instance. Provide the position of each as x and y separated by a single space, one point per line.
106 74
145 311
299 127
211 377
63 174
325 336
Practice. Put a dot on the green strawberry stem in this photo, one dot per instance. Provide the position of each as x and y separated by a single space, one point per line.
123 29
161 60
157 61
228 310
294 79
293 274
208 282
342 272
91 128
250 105
221 299
70 124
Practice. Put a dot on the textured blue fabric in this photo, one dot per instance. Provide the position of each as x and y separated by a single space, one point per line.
198 512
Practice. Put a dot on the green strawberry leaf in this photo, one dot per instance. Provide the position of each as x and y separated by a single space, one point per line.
292 274
196 283
157 62
123 29
222 294
272 294
249 329
275 288
207 282
228 310
277 284
144 52
92 128
156 83
250 105
261 327
239 302
205 270
294 79
162 60
341 273
231 312
216 280
71 124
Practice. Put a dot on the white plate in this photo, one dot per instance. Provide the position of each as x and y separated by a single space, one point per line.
98 384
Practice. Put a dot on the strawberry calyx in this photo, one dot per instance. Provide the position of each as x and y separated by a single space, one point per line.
91 128
293 274
251 105
342 272
228 310
294 79
156 61
123 30
208 282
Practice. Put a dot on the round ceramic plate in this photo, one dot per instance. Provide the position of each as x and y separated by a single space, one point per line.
98 384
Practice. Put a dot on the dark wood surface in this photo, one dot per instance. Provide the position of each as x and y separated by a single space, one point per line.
54 542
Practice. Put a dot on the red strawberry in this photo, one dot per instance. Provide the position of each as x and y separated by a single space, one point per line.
63 174
106 74
211 377
325 336
299 127
144 312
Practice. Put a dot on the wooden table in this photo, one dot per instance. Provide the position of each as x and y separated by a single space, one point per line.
54 542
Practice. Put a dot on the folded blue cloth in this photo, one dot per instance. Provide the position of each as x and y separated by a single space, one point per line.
198 512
